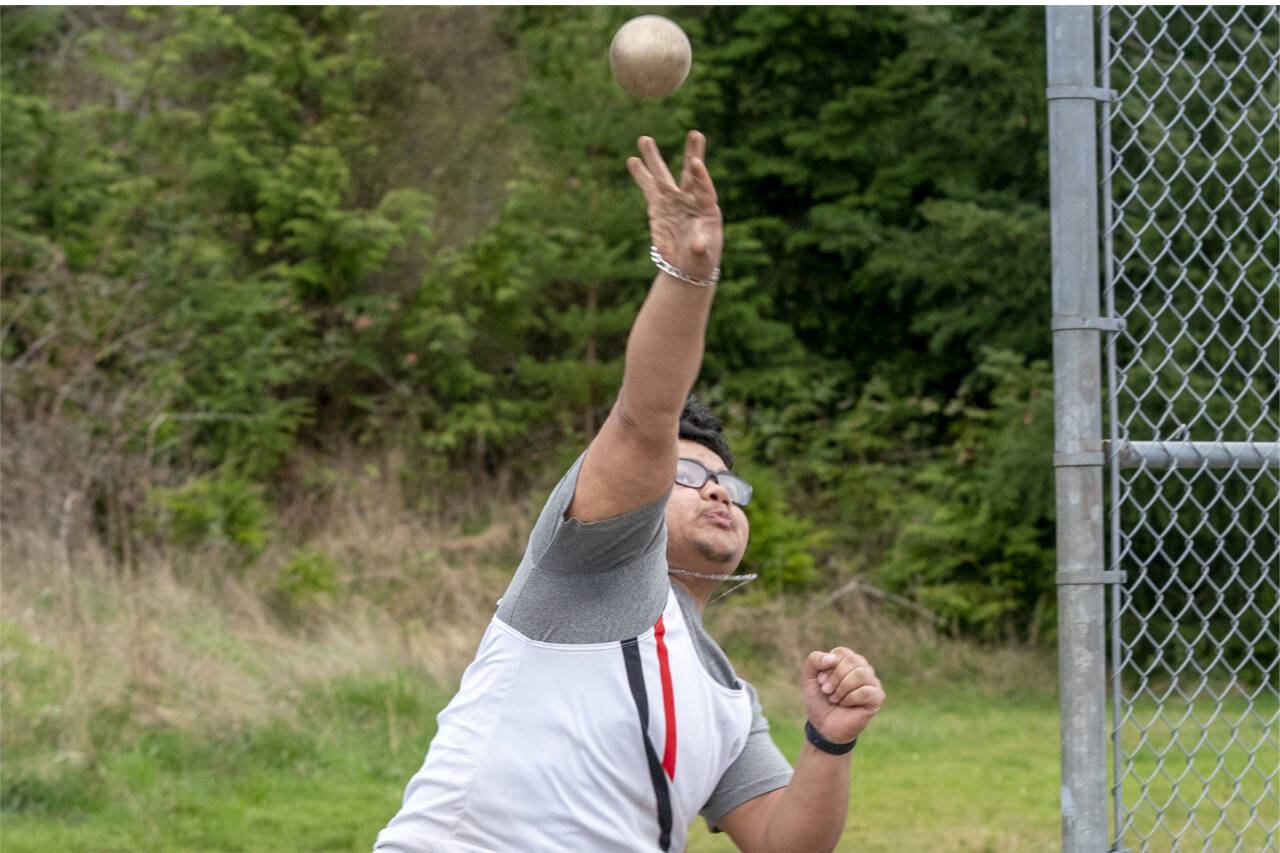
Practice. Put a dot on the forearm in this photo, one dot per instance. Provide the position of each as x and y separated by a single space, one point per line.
841 694
810 814
664 353
632 460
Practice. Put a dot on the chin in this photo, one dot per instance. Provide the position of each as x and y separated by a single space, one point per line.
719 556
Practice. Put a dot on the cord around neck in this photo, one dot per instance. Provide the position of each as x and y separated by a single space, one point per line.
743 580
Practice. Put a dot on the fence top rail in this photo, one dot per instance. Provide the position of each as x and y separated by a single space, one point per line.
1193 454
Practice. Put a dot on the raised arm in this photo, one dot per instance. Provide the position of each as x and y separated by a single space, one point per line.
632 460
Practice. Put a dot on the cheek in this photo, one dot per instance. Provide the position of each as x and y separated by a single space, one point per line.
677 507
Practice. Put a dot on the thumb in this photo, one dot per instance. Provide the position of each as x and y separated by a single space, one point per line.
816 662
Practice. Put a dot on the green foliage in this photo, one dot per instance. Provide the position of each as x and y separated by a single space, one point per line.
222 510
782 544
305 578
217 235
521 331
949 502
892 161
889 166
975 541
225 192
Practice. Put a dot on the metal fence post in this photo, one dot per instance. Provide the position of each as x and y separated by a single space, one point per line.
1078 458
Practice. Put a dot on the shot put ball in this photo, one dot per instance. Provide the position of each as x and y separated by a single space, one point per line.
650 56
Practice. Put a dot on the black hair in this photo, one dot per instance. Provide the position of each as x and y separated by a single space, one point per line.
698 423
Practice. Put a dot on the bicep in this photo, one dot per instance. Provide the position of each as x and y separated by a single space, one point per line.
629 464
746 824
751 787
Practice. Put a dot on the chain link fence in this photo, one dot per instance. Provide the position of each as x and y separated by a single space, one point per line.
1189 221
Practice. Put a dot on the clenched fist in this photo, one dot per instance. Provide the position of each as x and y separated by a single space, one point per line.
841 693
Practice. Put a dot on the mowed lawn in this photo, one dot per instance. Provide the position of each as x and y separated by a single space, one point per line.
946 773
935 773
943 771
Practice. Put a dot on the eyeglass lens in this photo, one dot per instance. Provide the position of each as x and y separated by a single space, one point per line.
695 475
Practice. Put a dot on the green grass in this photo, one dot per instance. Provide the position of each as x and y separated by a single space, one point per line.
936 773
948 769
1193 767
327 781
966 772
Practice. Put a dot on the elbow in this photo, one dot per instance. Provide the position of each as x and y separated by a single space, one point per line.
648 424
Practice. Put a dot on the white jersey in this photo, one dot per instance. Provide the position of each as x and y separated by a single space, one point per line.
598 747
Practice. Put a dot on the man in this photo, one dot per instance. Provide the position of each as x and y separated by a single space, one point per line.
598 715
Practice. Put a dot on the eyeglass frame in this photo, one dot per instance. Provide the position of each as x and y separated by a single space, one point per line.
719 477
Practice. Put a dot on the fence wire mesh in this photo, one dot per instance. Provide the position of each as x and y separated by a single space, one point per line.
1191 241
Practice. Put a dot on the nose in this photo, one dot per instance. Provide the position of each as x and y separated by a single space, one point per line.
712 490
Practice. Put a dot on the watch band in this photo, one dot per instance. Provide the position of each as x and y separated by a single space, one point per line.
825 745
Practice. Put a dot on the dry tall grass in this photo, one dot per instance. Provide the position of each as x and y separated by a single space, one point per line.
182 640
768 638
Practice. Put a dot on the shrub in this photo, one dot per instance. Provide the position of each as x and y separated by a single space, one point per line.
212 511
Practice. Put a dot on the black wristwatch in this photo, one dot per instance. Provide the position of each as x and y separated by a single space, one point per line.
825 745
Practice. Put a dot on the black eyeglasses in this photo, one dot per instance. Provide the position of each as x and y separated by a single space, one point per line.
695 475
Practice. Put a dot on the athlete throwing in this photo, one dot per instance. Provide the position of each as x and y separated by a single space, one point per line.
598 715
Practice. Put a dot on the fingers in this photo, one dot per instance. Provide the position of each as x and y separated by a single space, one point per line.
654 164
846 678
693 173
816 663
695 145
698 184
866 696
690 209
643 179
859 682
695 148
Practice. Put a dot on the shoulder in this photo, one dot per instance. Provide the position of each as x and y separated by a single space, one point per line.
588 582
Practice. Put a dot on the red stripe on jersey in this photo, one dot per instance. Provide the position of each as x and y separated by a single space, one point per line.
668 702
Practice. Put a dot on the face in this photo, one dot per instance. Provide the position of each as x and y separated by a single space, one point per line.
705 530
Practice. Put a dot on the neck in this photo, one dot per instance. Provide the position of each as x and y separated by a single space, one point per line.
699 589
700 585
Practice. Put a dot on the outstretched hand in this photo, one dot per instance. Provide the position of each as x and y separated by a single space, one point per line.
684 219
841 693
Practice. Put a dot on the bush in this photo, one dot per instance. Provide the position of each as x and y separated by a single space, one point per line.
976 523
782 544
307 577
221 510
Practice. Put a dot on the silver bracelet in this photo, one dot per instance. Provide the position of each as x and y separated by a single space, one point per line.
676 272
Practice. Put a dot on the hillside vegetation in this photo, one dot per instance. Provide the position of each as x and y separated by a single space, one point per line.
240 244
305 309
